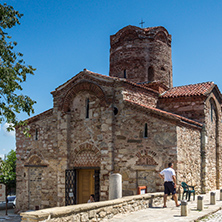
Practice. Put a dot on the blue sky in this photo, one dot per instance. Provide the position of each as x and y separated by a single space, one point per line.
61 38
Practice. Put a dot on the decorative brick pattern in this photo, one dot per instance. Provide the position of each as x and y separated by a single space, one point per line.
145 158
134 50
83 86
86 155
35 160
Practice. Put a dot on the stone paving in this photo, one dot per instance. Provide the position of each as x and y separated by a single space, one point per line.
11 217
216 217
173 213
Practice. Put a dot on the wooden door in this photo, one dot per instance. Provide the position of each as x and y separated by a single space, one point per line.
86 185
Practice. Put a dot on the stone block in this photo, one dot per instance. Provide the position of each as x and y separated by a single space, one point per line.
109 210
91 214
104 188
76 218
84 217
102 214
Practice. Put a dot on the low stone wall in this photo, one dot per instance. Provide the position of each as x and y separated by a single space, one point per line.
95 211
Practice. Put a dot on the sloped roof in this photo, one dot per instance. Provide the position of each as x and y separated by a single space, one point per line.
168 114
85 71
41 115
199 89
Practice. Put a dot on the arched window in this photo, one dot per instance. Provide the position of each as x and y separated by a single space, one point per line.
212 111
87 108
150 74
145 131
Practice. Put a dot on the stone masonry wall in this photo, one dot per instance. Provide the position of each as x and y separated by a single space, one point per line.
62 129
213 147
139 97
140 159
36 166
190 107
84 81
189 156
91 138
96 211
111 141
134 51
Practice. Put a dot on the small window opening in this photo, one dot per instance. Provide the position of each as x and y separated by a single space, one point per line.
162 68
145 131
36 134
87 108
115 111
124 73
150 74
211 112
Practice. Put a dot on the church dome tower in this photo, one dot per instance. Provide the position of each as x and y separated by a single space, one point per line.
142 55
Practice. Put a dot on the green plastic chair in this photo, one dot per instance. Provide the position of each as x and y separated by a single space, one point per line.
188 190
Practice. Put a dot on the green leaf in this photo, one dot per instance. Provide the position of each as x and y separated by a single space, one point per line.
8 170
13 71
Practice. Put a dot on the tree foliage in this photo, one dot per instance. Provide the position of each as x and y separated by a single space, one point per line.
8 170
13 72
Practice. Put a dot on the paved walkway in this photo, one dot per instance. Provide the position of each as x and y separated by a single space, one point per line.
216 217
172 213
11 217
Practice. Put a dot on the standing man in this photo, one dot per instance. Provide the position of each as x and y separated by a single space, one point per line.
169 177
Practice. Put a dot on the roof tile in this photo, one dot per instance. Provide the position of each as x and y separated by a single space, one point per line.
199 89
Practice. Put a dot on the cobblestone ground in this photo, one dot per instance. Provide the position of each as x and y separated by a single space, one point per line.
216 217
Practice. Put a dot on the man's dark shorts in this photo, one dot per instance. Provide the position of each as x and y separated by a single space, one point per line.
169 188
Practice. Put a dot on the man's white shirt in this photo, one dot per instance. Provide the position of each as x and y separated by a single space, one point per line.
168 173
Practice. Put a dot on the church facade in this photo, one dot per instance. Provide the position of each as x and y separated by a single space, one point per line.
132 122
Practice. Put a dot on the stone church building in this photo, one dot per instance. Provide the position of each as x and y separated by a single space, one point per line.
132 122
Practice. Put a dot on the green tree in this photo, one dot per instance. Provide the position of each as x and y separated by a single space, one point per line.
8 172
13 72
